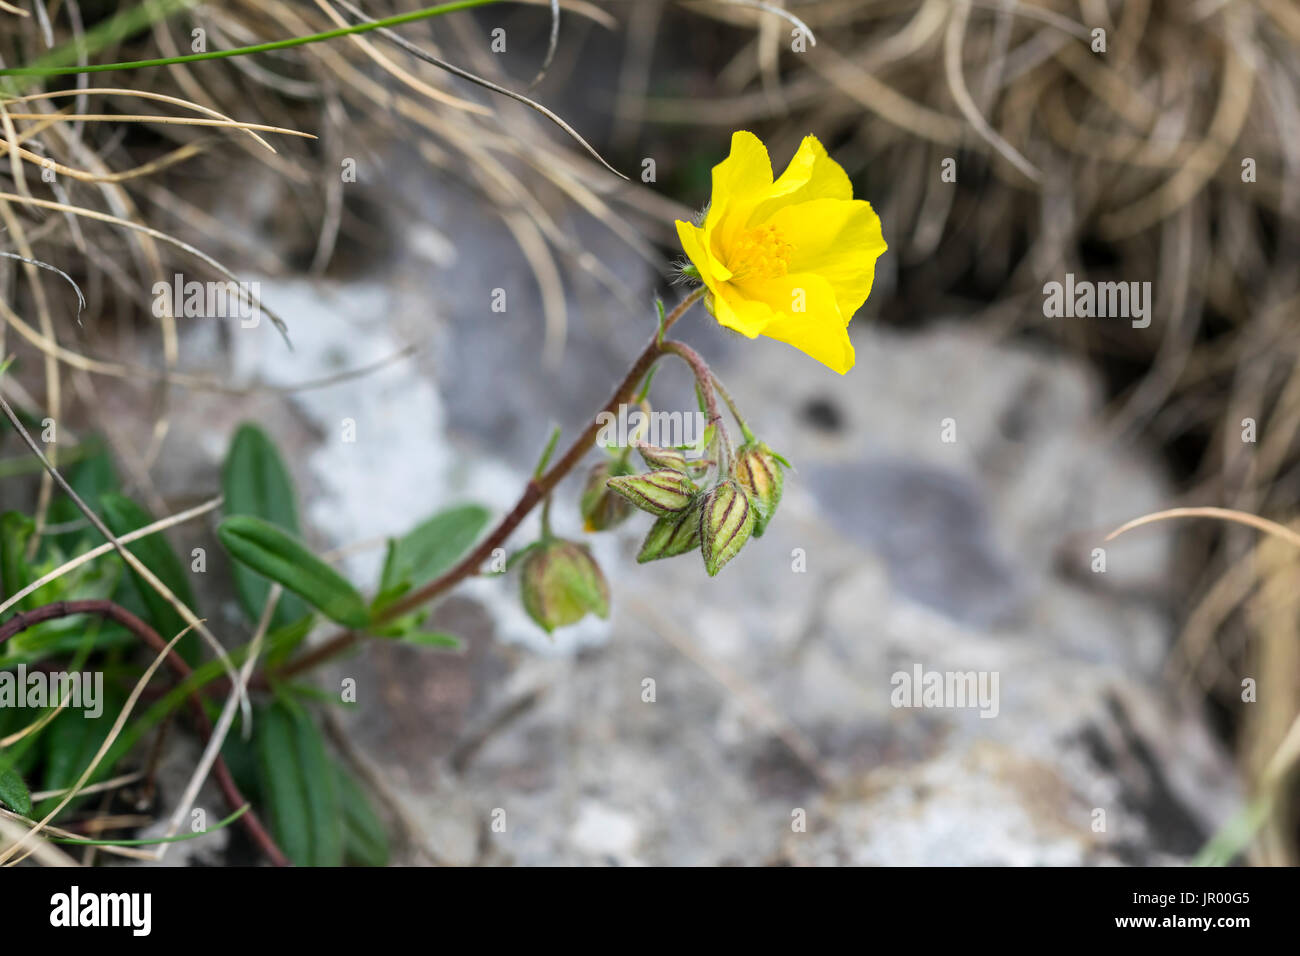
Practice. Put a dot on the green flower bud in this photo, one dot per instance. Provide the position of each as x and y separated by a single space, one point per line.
662 492
561 584
600 507
672 535
656 457
759 472
674 458
726 521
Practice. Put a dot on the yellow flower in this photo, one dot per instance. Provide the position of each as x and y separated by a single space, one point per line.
791 259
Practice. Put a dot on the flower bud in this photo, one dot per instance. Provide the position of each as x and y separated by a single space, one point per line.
656 457
759 472
561 584
662 492
672 535
600 507
726 521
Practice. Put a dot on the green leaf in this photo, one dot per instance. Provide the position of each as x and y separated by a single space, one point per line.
432 639
284 559
241 758
300 785
122 515
432 548
365 841
14 793
22 755
15 573
321 786
71 741
256 482
281 783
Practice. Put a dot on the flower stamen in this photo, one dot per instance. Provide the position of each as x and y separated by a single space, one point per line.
760 253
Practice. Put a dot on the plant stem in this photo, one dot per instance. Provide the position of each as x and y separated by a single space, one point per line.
735 412
704 378
536 489
546 518
114 612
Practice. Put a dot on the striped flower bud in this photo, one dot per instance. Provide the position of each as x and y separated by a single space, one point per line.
672 535
600 507
726 521
759 472
656 457
561 584
662 492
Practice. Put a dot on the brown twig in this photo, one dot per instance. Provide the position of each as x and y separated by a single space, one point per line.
114 612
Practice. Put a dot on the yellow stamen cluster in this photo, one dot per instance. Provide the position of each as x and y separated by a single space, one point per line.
760 253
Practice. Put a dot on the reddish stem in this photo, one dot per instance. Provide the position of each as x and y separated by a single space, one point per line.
113 612
535 491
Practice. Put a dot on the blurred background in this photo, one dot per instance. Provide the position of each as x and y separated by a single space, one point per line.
949 493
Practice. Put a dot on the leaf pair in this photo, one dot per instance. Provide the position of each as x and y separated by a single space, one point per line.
261 533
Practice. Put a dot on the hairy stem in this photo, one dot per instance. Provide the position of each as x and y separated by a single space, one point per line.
536 489
731 404
704 378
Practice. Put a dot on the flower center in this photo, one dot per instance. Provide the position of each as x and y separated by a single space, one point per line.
760 253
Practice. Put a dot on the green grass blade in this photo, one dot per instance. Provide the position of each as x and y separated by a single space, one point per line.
176 839
37 70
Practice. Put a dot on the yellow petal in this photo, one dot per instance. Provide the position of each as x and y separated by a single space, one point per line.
801 311
738 312
812 174
836 239
739 182
696 248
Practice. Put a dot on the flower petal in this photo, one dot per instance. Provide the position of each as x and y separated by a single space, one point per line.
838 240
735 311
739 179
812 174
695 244
818 330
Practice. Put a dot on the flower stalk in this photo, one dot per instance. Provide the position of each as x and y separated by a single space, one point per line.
536 489
704 378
